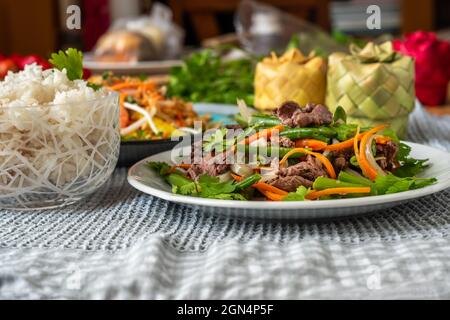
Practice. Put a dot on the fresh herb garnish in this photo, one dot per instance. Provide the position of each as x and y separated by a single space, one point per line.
391 184
94 86
71 60
409 166
161 168
211 186
205 77
340 116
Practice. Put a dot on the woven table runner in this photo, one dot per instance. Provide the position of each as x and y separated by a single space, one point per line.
120 243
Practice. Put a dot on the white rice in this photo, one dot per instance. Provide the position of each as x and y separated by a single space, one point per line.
53 131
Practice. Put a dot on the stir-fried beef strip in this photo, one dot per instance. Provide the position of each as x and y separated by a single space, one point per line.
342 158
283 142
233 126
209 165
312 114
286 111
291 183
389 151
303 173
310 169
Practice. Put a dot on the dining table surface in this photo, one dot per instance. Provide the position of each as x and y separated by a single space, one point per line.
119 243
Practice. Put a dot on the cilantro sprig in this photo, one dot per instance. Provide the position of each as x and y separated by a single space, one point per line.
71 60
205 187
392 184
206 77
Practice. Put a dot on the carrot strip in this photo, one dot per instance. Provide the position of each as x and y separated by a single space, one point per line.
311 143
382 139
263 133
182 166
124 116
236 177
365 166
319 156
328 192
344 144
124 85
262 186
272 196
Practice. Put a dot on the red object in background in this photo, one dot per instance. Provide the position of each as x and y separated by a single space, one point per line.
96 21
5 66
22 61
86 73
16 62
432 64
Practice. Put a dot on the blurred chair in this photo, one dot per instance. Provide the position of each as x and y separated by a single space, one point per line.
28 27
203 14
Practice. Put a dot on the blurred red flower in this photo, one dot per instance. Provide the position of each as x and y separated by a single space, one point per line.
432 64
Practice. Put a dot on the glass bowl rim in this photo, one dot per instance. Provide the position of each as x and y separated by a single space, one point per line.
109 94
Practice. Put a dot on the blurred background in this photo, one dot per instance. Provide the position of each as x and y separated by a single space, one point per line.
145 37
39 27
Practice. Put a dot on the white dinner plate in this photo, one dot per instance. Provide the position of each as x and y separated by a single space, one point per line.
147 181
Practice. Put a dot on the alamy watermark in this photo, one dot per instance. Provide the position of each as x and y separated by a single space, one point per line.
73 21
374 20
373 281
228 146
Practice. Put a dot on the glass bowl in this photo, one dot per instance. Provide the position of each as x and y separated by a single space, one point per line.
54 155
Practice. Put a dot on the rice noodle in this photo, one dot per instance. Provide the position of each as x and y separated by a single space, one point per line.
133 127
189 130
147 115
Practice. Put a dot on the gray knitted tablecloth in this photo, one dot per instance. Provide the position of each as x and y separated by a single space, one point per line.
120 243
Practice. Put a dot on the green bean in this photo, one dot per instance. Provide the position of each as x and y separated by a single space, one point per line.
240 120
271 151
248 182
322 183
350 178
261 120
301 133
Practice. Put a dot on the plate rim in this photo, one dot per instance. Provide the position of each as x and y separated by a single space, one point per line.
287 205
